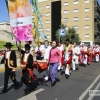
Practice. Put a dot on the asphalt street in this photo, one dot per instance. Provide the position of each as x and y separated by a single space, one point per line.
74 88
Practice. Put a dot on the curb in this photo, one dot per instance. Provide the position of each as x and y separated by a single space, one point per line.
3 69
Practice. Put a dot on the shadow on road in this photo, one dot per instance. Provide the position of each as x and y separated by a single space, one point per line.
12 86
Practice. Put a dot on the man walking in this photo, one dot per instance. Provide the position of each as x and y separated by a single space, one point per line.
10 66
76 52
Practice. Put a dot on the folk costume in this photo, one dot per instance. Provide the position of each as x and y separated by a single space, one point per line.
27 70
68 60
46 57
10 66
89 55
61 48
97 53
83 55
76 52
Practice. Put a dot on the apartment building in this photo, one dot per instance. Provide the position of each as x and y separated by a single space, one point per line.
83 15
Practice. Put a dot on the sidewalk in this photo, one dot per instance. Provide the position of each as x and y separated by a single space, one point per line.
2 68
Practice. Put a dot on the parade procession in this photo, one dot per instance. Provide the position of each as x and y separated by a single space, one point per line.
41 61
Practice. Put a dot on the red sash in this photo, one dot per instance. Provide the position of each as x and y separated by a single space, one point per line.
69 61
62 59
30 72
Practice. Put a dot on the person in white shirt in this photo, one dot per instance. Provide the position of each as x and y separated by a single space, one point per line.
97 53
76 52
83 54
46 57
61 48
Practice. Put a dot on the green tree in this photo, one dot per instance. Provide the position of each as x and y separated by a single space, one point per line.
71 34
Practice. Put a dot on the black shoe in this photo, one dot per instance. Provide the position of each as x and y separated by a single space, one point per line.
77 68
61 73
3 91
52 84
84 65
44 81
59 70
67 76
26 93
96 61
71 68
40 71
57 80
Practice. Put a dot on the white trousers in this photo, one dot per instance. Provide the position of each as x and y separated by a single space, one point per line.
97 57
67 71
84 60
74 62
59 67
47 74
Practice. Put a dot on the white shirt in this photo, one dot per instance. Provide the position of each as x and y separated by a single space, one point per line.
25 57
61 49
83 49
76 50
47 52
97 49
7 54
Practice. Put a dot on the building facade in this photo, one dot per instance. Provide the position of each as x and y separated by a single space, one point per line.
83 15
5 32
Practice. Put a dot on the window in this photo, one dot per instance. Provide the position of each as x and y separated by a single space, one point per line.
47 29
47 14
48 7
40 8
66 19
87 10
86 1
75 2
47 21
40 29
76 19
66 12
86 35
87 18
66 3
48 36
87 27
75 10
76 27
41 15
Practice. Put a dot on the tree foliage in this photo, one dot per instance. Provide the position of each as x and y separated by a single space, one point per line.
71 34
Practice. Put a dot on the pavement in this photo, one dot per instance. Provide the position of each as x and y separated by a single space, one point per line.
77 87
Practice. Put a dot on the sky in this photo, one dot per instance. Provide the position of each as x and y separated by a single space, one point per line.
4 13
4 16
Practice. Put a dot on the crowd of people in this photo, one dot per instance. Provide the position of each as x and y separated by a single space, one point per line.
56 57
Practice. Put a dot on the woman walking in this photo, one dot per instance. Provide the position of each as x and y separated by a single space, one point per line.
54 62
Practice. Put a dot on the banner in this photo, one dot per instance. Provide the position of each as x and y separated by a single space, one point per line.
21 19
